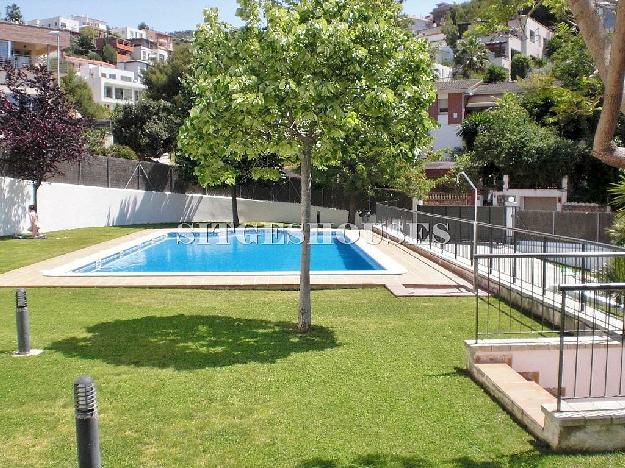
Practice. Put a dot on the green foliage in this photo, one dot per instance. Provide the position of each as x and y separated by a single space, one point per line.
165 80
520 66
148 127
331 78
143 26
572 63
121 151
505 140
84 43
94 141
78 93
109 54
495 74
13 14
471 56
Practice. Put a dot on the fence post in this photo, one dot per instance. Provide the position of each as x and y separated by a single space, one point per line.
544 265
477 298
108 172
561 356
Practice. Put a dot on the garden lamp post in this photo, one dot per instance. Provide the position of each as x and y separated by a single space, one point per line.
464 174
58 56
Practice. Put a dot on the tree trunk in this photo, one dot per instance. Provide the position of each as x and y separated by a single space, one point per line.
305 307
36 185
235 206
609 58
353 207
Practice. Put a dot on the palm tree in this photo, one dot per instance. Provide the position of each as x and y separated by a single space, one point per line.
471 56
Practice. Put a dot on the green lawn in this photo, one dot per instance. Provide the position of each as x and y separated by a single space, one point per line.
220 378
16 253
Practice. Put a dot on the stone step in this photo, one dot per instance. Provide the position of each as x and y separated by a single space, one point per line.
523 398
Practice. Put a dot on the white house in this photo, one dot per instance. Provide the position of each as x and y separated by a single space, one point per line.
87 22
526 36
130 33
436 38
146 54
57 22
109 85
138 67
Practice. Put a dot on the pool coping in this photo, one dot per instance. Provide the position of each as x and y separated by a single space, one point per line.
389 266
419 271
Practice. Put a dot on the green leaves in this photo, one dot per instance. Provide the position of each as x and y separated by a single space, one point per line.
342 76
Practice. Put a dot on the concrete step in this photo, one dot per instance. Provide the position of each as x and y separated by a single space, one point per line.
523 398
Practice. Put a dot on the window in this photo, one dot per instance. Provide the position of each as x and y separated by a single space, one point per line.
443 105
112 76
108 92
137 95
532 36
126 79
119 93
103 75
4 49
498 49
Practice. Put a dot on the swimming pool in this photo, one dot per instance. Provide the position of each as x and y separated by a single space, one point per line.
227 252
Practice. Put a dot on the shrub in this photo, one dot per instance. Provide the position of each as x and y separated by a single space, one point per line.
495 74
520 66
121 151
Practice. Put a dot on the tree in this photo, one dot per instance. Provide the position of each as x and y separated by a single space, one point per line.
495 74
298 78
148 127
84 43
109 54
143 26
13 14
39 130
471 56
520 67
165 80
505 140
77 91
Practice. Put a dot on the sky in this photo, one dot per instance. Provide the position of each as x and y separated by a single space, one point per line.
163 15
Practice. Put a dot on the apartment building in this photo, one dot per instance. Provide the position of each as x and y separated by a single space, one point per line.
87 22
23 45
109 85
526 36
163 41
437 40
148 51
123 47
65 23
456 99
128 33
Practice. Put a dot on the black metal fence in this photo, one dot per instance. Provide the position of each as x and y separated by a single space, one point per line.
148 176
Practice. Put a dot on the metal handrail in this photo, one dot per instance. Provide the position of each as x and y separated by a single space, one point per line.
508 229
620 253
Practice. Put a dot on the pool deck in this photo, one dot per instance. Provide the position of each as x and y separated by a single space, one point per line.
422 277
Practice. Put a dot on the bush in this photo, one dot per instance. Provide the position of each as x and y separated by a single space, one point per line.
121 151
94 141
495 74
520 67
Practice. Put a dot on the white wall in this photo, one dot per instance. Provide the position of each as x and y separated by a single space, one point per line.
445 136
64 206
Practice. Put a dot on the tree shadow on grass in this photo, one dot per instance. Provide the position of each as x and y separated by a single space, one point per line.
187 342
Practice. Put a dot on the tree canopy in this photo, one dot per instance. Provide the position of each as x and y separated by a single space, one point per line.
39 131
77 91
13 14
299 80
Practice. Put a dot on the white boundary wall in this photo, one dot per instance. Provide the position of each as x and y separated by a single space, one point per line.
64 206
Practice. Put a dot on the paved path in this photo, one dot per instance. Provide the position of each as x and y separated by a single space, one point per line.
422 277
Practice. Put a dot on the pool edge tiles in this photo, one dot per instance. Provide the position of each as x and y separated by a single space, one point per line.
366 250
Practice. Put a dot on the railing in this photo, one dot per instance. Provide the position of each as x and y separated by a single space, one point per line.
519 294
591 352
418 227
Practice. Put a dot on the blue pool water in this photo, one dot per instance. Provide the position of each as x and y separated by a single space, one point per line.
258 251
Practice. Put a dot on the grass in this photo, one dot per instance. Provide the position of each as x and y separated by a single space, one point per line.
16 253
220 378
